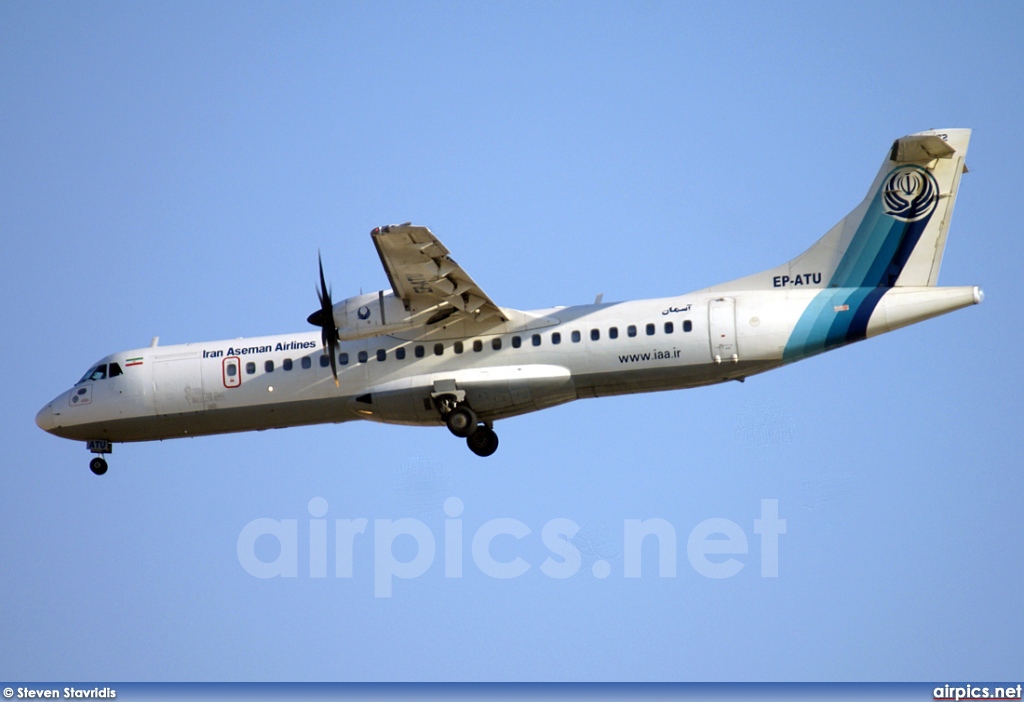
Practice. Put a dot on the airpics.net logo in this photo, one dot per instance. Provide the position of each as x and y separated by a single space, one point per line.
716 548
910 194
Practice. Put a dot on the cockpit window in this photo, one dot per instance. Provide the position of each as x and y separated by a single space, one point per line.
97 373
114 370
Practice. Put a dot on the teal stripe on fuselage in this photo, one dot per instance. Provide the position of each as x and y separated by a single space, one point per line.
820 326
839 329
829 321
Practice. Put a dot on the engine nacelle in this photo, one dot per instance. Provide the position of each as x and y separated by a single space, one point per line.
369 315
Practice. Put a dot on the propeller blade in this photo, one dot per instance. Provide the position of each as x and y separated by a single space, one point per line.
323 284
324 318
332 348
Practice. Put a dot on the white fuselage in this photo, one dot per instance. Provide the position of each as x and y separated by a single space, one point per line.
436 349
562 354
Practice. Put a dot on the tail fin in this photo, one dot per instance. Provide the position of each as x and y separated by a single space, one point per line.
896 236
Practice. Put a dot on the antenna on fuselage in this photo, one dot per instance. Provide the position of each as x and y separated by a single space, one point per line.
154 341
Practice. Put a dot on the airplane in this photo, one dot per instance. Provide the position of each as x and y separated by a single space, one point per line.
435 350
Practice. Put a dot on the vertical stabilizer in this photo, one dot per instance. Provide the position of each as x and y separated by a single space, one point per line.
895 237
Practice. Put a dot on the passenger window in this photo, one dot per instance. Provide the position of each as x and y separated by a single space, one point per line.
400 353
556 338
613 333
343 359
438 349
478 345
516 342
115 370
382 355
496 343
250 368
419 351
268 366
576 337
307 363
631 330
687 326
458 348
650 330
363 356
287 364
324 360
595 334
232 370
669 327
535 339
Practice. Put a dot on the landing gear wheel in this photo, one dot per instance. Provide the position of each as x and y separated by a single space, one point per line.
98 466
461 421
483 442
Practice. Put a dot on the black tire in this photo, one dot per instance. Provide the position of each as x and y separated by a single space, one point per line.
98 466
461 421
483 442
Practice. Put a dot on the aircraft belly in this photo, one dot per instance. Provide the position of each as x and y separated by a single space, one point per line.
218 421
398 402
493 393
639 380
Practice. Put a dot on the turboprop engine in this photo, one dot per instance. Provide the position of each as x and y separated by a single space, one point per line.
372 314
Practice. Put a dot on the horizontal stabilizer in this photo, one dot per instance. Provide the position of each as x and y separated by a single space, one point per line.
920 147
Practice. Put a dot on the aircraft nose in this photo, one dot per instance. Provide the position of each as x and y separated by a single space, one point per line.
44 419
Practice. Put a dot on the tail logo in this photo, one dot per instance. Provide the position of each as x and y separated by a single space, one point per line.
910 194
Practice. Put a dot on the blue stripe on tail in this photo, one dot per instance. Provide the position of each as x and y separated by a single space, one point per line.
873 261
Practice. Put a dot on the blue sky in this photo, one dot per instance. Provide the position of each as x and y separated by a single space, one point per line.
173 169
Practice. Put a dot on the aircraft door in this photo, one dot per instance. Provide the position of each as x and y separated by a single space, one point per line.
231 372
722 329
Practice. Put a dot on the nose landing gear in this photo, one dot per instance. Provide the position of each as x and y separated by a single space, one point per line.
98 465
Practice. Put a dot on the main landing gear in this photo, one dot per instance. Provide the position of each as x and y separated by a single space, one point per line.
98 465
483 441
462 421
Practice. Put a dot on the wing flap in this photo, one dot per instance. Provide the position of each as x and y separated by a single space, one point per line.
424 275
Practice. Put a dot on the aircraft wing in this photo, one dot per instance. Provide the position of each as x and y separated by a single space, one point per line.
424 276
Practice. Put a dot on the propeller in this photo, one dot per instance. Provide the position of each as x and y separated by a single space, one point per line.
324 318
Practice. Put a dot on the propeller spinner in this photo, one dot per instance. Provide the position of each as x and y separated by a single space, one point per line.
324 318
